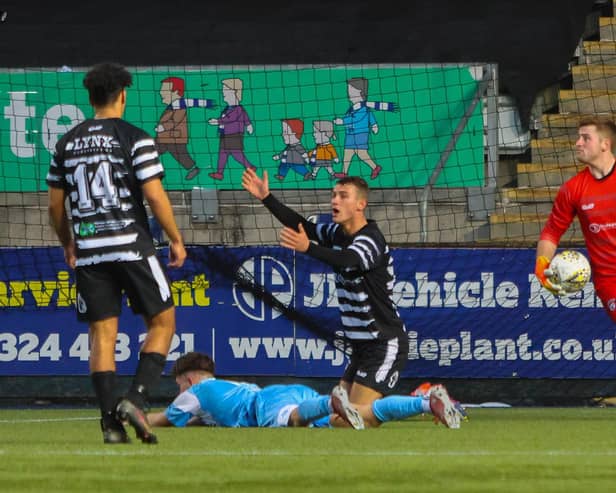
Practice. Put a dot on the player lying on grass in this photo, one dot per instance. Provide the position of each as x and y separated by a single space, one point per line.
207 400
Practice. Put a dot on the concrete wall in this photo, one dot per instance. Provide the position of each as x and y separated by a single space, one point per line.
244 221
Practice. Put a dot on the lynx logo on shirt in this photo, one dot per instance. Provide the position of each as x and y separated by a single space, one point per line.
92 141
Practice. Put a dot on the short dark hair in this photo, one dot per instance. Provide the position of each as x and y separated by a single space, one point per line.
193 361
358 182
104 82
604 125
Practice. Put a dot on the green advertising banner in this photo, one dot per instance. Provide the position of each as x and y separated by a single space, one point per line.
305 125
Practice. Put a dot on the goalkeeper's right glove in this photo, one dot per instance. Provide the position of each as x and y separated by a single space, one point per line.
543 273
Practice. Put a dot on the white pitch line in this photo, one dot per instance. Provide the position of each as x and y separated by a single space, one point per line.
149 451
45 420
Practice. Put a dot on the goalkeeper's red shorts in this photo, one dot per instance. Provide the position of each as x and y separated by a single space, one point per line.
606 291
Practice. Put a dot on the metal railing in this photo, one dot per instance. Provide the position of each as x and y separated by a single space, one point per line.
488 88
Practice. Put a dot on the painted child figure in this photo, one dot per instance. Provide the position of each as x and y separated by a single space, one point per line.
359 121
324 154
293 156
172 134
232 124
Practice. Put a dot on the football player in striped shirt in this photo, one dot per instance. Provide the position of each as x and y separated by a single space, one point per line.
356 249
106 167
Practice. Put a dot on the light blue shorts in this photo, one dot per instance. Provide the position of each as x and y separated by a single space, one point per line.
275 403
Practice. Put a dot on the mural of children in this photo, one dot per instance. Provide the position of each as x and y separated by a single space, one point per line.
232 124
324 153
172 128
293 156
358 121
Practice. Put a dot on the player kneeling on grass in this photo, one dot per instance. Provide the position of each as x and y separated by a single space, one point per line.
207 400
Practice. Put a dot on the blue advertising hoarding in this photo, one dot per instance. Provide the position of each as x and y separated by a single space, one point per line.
469 313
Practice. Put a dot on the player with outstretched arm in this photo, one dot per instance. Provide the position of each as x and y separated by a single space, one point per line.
356 249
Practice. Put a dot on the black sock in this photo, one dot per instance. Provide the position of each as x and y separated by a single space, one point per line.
149 369
104 383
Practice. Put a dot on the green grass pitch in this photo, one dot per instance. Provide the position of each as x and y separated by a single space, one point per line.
498 450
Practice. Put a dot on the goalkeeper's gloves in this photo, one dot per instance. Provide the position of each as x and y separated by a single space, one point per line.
544 273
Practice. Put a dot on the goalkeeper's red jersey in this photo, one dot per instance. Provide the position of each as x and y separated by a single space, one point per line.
594 202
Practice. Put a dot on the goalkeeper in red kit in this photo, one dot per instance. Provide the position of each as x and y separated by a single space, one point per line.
591 196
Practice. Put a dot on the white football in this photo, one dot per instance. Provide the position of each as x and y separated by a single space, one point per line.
570 270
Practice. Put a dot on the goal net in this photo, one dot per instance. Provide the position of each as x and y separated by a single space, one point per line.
458 188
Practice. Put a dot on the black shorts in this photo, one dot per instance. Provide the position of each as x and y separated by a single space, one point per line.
100 289
377 364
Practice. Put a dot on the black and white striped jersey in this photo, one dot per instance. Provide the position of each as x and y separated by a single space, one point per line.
101 164
365 291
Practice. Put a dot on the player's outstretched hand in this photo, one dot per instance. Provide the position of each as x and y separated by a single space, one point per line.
294 239
544 274
257 187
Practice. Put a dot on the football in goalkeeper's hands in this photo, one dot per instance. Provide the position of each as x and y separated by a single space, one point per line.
570 270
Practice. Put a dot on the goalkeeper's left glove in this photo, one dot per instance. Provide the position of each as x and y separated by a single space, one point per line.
543 273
